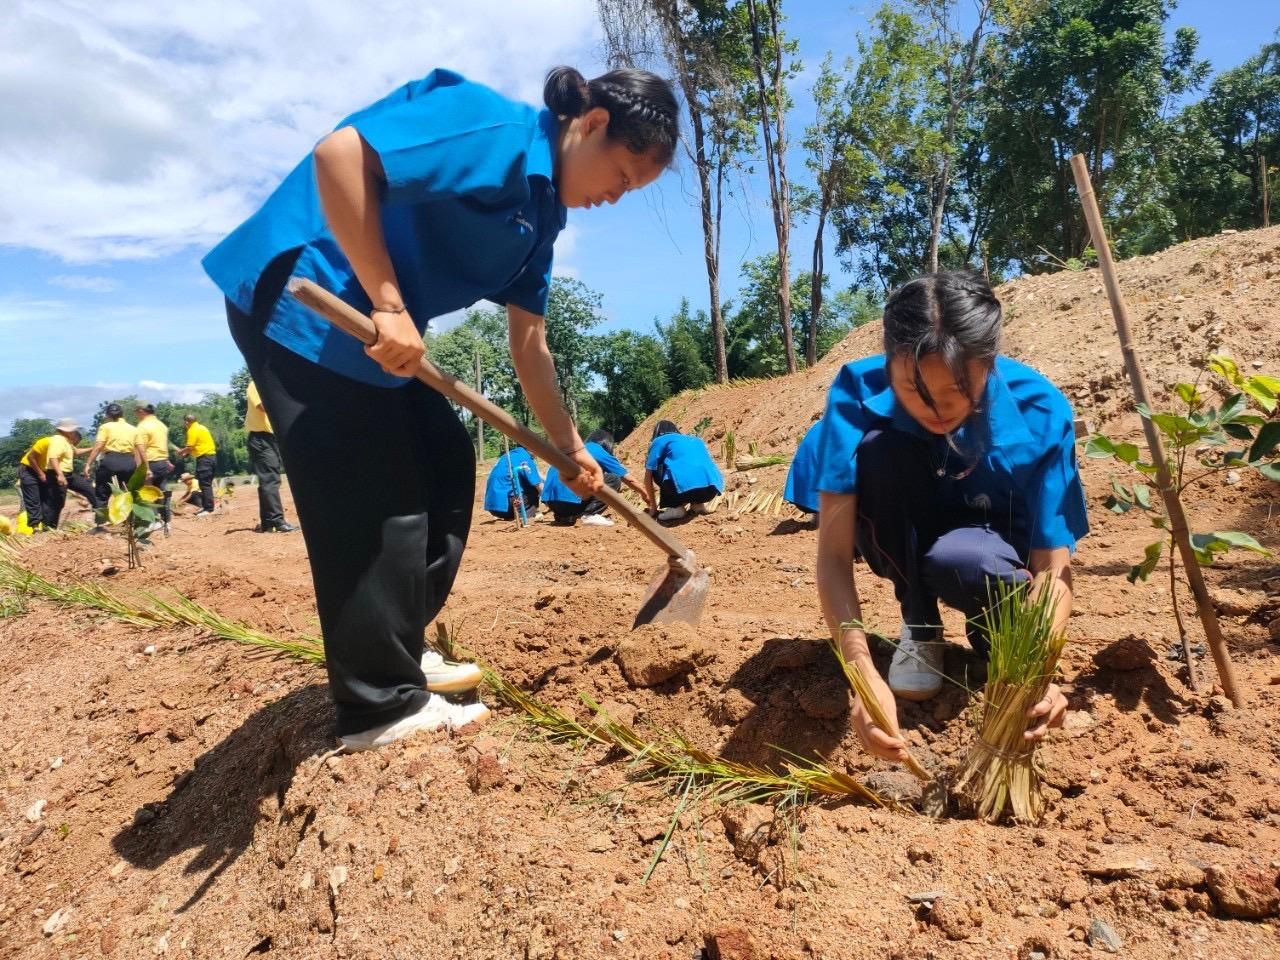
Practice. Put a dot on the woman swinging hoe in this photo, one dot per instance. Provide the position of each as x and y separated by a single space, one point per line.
440 194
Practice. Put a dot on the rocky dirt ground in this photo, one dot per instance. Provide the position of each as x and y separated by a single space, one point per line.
168 794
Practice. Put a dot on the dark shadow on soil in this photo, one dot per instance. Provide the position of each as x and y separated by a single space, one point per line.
789 526
801 698
1131 689
1113 569
215 807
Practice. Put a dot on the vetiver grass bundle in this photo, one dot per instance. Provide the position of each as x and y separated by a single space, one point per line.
1000 773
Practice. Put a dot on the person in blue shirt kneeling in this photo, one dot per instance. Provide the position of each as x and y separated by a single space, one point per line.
949 466
566 506
442 193
801 490
500 497
683 471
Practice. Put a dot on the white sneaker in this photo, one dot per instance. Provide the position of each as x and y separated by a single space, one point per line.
461 714
201 513
444 677
153 527
596 520
915 673
432 716
672 513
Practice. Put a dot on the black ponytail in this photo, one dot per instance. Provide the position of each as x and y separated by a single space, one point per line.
951 314
566 93
643 113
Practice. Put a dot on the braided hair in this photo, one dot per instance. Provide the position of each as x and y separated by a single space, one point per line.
953 314
642 108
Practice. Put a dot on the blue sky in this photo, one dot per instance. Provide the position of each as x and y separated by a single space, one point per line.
131 143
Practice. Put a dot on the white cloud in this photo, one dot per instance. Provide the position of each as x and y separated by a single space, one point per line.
85 282
81 401
132 131
562 264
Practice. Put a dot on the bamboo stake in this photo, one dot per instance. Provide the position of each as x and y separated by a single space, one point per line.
1164 482
1266 193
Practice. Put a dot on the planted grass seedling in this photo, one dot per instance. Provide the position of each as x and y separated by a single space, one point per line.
1000 774
933 800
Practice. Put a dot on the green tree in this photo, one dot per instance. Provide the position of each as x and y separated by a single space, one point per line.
833 156
632 369
704 43
1241 113
882 214
754 339
1079 76
24 432
573 309
683 342
770 54
240 391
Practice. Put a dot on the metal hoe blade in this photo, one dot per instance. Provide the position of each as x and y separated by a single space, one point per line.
676 596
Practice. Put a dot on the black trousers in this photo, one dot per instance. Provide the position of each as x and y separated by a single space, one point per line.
568 513
532 497
383 569
43 500
669 496
161 470
929 554
264 461
112 466
204 474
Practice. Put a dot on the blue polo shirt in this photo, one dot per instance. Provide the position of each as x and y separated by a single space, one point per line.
685 460
497 489
802 477
469 213
1025 478
554 489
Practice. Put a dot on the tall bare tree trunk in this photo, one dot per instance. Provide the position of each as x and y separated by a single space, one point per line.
959 92
773 132
710 246
816 276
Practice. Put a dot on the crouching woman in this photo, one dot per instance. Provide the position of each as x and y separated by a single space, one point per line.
949 467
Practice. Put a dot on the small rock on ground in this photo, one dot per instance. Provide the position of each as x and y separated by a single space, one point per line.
1245 893
731 943
1103 936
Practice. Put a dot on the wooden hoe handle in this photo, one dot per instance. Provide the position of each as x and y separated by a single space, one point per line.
352 321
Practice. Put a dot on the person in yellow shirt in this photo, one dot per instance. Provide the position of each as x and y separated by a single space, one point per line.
200 445
114 443
151 444
264 461
42 475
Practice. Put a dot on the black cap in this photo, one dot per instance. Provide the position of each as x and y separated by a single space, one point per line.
114 410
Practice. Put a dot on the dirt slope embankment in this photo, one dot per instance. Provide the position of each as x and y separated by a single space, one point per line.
1217 294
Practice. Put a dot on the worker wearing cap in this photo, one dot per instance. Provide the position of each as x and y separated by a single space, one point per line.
114 444
151 444
264 461
42 475
200 445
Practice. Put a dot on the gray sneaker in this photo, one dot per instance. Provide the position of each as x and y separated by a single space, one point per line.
915 673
